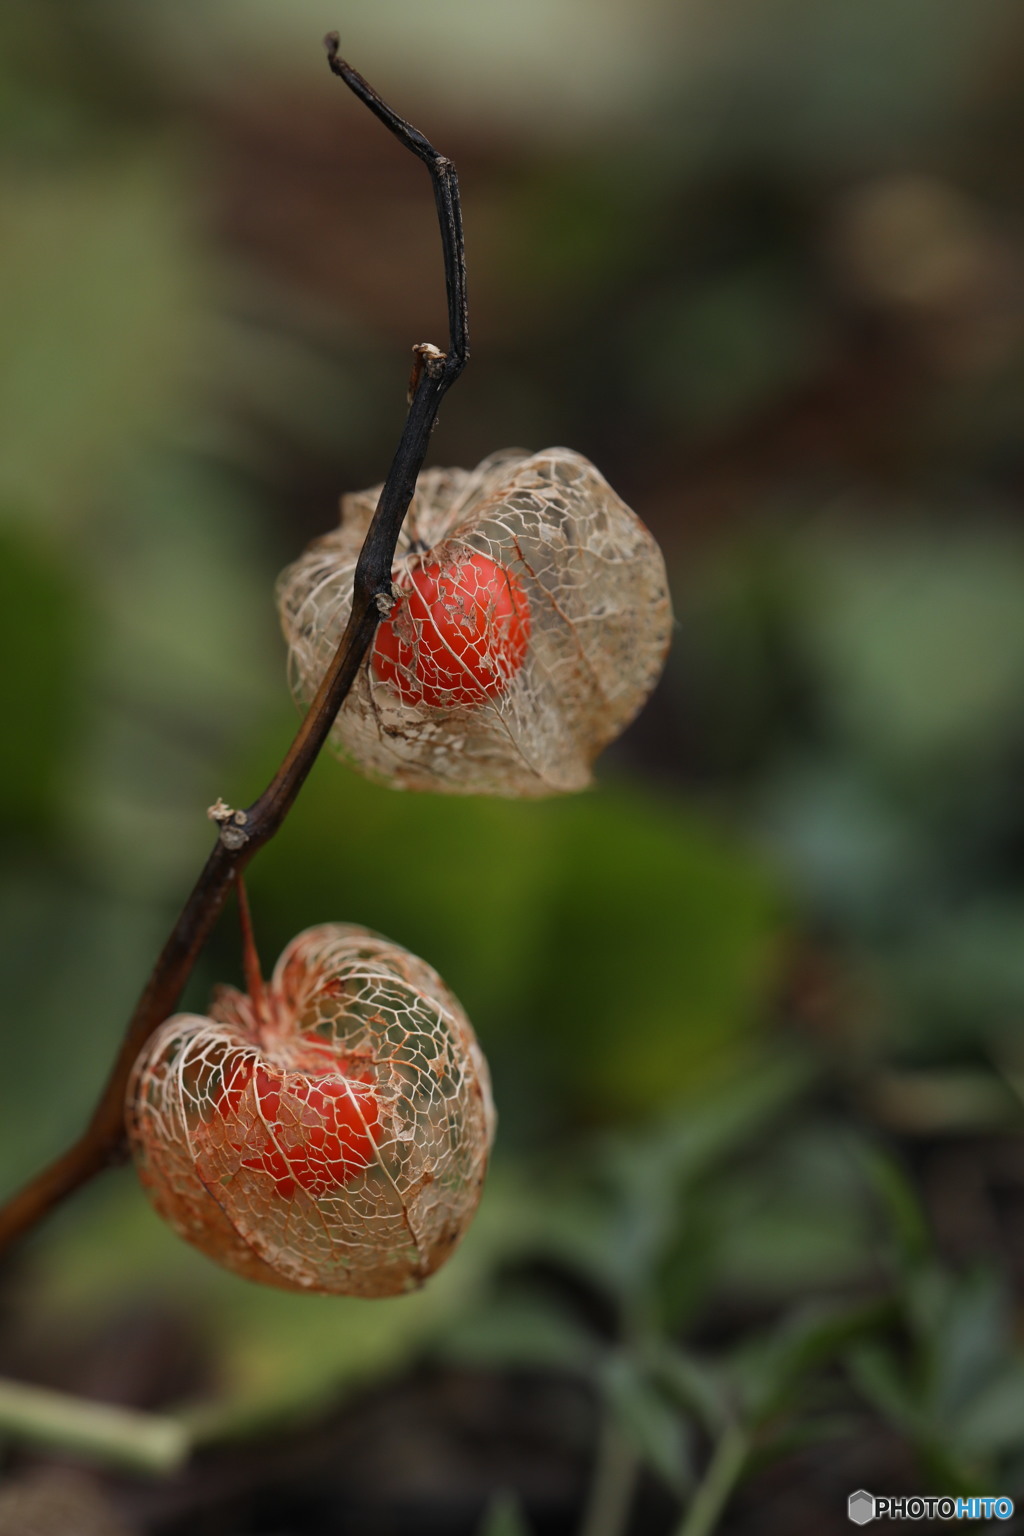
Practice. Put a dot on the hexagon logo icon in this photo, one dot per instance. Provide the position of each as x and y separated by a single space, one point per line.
860 1507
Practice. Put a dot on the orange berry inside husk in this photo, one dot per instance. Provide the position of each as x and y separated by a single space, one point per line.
329 1132
318 1133
457 635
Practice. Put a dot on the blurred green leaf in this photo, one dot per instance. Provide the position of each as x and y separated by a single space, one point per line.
654 1427
42 637
516 1331
728 345
900 1205
964 1325
689 925
854 856
700 1388
885 1386
918 641
992 1421
638 1220
513 901
954 1383
774 1369
666 1244
795 1217
958 976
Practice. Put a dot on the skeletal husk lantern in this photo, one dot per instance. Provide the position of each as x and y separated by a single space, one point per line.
530 621
329 1135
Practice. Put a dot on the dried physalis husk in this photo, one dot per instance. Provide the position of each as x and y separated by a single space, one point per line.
331 1135
530 623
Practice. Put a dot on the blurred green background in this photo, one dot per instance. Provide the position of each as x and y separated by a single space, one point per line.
753 1005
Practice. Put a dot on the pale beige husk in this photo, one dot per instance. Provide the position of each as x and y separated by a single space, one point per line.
600 620
381 1232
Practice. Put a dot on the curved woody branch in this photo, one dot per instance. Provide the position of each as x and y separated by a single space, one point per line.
243 833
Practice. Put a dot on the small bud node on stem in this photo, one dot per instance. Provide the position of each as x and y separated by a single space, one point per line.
426 359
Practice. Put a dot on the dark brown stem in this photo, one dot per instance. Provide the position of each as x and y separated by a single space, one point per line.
243 833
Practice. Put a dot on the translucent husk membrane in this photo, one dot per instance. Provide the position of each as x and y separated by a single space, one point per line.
335 1139
599 622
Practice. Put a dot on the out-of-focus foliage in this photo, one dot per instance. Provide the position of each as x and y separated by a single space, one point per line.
618 949
753 1006
38 701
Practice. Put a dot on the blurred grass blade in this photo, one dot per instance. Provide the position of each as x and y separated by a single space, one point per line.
504 1517
905 1219
613 1483
655 1428
884 1385
142 1442
695 1385
724 1471
993 1420
699 1139
771 1373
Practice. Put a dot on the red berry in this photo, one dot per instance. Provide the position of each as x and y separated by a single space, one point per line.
457 635
316 1133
